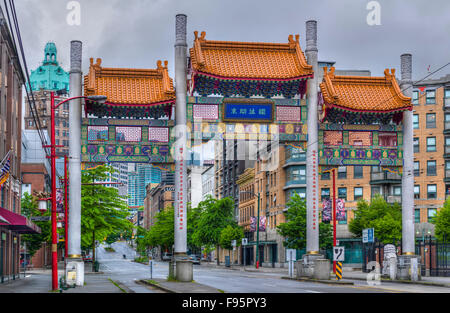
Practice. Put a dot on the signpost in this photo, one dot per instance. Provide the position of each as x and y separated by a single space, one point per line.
367 235
291 256
244 244
338 258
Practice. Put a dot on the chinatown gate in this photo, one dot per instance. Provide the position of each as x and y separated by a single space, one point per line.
262 92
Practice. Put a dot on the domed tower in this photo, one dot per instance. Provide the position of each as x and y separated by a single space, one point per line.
49 76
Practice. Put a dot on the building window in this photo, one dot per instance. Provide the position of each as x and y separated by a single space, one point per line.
431 168
375 191
431 96
416 145
358 172
415 98
297 174
416 121
325 194
397 190
431 191
431 120
416 168
431 215
342 193
345 219
416 216
325 176
417 192
447 93
358 193
342 172
431 144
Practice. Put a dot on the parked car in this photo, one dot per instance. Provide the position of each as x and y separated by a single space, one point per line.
194 258
167 256
86 257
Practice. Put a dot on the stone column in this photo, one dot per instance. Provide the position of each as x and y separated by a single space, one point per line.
184 270
312 157
407 267
74 261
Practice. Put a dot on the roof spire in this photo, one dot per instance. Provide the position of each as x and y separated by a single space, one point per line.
50 53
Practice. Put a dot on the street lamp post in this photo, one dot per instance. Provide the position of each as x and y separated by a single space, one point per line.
53 146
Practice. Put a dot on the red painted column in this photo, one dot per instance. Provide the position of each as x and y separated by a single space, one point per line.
334 215
66 208
53 213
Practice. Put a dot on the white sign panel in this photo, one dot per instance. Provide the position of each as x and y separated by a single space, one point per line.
338 254
244 241
291 255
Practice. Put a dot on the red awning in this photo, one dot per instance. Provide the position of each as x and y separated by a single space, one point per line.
17 223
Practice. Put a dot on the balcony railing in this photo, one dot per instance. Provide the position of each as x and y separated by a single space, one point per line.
383 176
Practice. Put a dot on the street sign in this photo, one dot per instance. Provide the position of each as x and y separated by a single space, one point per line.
338 270
233 243
338 254
244 241
40 218
291 255
367 235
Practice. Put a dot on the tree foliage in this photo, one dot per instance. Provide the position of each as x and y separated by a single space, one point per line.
229 234
294 229
162 232
385 218
34 242
103 211
442 222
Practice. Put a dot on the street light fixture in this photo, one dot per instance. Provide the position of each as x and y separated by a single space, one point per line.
53 146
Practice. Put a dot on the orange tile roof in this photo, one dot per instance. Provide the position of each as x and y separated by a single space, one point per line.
249 60
359 93
130 86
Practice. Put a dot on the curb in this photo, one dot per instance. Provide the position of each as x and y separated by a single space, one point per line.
425 283
157 286
312 280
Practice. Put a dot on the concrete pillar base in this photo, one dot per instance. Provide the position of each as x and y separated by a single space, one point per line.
408 267
184 271
305 267
74 272
322 269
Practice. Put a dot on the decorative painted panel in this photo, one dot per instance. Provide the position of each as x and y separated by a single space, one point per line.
248 124
128 134
158 134
97 133
134 141
289 114
379 145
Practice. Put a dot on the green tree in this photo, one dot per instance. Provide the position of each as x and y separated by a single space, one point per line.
384 218
294 229
229 234
141 243
103 211
442 222
216 215
34 242
162 232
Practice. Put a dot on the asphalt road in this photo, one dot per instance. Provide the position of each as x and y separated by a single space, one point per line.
128 272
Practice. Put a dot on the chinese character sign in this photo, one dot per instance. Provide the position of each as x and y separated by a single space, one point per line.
251 112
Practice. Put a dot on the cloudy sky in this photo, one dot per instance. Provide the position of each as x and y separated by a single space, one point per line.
137 33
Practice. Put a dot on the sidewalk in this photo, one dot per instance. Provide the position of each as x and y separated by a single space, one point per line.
40 281
247 268
429 280
180 287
